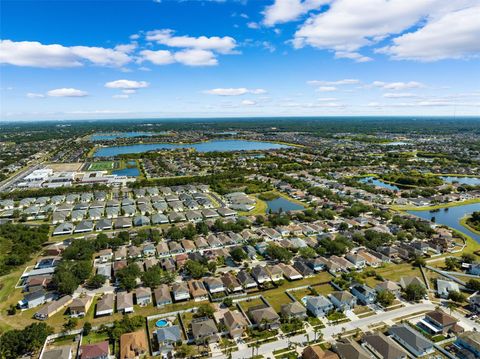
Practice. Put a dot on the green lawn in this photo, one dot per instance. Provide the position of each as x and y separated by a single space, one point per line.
277 300
249 303
101 166
394 272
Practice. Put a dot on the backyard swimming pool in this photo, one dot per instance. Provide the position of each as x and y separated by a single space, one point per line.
161 323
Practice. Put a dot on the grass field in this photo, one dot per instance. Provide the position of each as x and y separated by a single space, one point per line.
247 304
394 272
102 166
277 300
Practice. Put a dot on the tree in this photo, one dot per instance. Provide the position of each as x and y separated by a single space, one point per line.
16 343
205 310
195 269
184 351
279 253
97 281
456 296
212 267
419 261
473 284
238 254
307 252
451 263
415 292
127 276
70 324
385 298
155 276
87 328
228 302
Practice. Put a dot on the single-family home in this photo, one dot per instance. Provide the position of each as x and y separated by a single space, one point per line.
105 305
162 295
235 322
80 305
411 339
197 290
319 305
293 310
143 296
167 338
180 291
342 300
125 302
133 345
364 293
204 329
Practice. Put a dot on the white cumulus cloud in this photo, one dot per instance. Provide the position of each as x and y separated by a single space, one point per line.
35 95
333 83
452 36
282 11
126 84
234 91
36 54
67 92
159 57
398 85
196 57
167 37
248 102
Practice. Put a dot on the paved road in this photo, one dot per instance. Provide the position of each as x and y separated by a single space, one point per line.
331 331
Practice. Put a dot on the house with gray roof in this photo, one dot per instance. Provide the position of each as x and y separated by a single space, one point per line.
204 329
105 305
162 295
364 293
61 352
383 346
112 212
122 222
411 339
84 226
140 221
293 310
319 305
95 213
264 317
167 337
104 224
159 218
343 300
125 302
350 349
63 228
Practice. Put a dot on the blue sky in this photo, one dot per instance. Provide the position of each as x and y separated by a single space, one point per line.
123 59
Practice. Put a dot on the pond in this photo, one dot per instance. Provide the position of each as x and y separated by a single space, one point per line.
209 146
282 204
106 136
130 172
473 181
451 217
379 183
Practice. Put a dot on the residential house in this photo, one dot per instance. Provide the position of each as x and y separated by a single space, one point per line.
143 296
105 305
384 347
303 268
214 285
197 290
100 350
167 337
364 293
260 275
246 280
406 281
439 322
469 342
389 286
231 283
293 310
319 305
54 307
411 339
180 291
264 317
162 295
444 287
125 302
79 306
204 329
275 272
349 349
235 323
315 352
35 298
357 260
342 300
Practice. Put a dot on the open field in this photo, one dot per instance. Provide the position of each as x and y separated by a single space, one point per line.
394 272
249 303
65 167
102 166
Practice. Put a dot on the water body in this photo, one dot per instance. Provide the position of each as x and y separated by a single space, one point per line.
396 143
473 181
376 182
281 203
106 136
452 217
209 146
130 172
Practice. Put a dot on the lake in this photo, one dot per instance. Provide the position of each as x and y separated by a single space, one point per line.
130 172
452 217
376 182
473 181
106 136
284 204
209 146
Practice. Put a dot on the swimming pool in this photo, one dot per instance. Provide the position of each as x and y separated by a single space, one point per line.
161 323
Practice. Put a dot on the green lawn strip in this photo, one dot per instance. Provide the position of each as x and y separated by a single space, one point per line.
464 223
439 206
277 300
